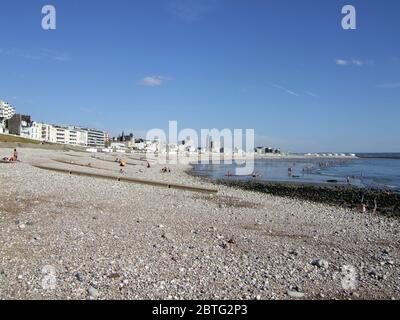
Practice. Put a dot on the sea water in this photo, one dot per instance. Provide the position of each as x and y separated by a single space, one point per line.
380 171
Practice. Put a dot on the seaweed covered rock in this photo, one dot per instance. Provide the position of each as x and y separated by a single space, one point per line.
346 196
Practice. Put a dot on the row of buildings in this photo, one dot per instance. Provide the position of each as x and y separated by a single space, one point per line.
22 125
267 150
188 145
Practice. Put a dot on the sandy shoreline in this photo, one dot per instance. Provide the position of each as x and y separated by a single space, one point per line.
114 240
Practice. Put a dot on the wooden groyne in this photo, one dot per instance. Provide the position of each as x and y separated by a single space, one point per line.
129 180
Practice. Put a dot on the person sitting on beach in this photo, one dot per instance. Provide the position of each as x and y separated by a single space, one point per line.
13 158
15 155
122 163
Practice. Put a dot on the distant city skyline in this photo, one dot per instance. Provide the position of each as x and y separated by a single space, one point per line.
286 69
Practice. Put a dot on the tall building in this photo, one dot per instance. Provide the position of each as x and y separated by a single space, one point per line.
78 136
96 138
64 134
48 133
18 123
6 111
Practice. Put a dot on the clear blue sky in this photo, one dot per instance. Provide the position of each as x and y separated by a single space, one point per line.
285 68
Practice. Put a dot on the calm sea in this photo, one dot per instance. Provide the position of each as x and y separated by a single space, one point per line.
379 170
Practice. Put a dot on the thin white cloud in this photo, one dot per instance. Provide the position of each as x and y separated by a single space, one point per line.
54 55
292 93
42 54
391 85
154 81
353 62
190 10
357 62
288 91
341 62
311 94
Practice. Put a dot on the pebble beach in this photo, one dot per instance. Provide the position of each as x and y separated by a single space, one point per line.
66 236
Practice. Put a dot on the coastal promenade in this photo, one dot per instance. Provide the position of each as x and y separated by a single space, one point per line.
66 236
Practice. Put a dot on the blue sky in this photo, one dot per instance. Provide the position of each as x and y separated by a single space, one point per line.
284 68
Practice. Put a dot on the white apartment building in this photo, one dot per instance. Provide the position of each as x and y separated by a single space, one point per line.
48 133
34 131
64 135
6 113
72 135
6 110
78 136
96 138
